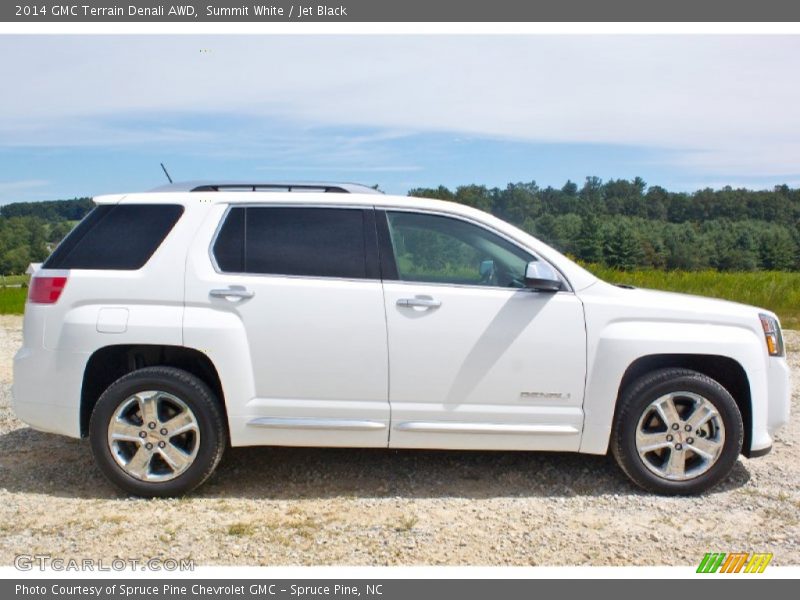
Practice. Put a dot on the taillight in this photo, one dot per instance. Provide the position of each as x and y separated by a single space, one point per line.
46 290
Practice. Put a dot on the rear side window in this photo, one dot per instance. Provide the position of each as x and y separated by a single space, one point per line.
313 242
119 237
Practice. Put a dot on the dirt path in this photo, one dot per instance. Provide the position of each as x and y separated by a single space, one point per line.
276 506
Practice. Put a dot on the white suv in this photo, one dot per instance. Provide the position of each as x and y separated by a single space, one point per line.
169 324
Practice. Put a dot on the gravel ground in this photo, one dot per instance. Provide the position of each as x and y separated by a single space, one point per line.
293 506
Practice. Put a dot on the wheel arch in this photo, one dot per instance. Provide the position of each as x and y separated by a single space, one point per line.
728 372
109 363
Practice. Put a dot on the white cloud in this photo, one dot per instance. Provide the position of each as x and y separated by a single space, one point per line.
719 104
22 185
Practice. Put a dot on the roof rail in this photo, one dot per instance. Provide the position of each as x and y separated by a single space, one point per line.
275 186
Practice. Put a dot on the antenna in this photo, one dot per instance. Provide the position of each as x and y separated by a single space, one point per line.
166 172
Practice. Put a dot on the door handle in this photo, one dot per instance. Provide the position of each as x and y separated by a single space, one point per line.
419 302
235 291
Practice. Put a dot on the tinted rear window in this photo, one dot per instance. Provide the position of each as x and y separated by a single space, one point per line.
314 242
121 237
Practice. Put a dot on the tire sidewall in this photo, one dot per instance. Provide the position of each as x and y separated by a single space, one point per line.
202 408
640 399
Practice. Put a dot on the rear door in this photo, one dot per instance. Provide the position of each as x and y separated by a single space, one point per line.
304 283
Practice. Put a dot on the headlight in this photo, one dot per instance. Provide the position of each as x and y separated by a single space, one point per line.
772 334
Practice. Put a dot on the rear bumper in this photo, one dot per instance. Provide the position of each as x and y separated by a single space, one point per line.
46 392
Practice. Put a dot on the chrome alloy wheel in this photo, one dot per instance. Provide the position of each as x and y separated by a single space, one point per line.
153 436
680 436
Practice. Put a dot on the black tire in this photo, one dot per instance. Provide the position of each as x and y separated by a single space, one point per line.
205 409
636 399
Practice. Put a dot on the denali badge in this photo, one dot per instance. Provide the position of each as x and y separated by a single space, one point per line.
543 396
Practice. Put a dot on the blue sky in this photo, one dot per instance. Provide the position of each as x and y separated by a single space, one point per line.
85 115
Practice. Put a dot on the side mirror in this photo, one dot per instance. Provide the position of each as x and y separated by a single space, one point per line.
541 277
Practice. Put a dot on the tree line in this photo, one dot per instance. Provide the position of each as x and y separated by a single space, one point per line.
30 230
627 225
616 223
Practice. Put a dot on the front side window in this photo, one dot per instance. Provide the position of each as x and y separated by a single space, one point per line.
313 242
436 249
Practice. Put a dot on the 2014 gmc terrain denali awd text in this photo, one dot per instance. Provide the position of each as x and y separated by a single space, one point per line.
172 323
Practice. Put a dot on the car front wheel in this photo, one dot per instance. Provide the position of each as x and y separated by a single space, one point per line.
677 431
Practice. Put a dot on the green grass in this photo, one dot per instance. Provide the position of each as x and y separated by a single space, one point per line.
12 300
241 529
407 523
14 279
775 290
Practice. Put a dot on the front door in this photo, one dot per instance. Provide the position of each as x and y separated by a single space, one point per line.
476 360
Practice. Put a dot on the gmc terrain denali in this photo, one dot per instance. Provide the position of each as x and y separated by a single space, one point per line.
171 323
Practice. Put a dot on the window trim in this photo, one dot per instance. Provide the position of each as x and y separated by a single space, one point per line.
389 263
371 252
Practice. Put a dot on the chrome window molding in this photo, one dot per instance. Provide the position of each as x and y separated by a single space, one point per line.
346 206
231 206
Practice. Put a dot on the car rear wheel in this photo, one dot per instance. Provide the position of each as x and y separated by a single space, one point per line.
677 431
157 431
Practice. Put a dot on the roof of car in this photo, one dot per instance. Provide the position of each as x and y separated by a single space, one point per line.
268 186
316 198
285 192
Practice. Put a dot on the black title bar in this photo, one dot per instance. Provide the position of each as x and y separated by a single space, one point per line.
149 11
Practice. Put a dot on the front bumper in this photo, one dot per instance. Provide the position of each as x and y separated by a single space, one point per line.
760 453
770 416
780 394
